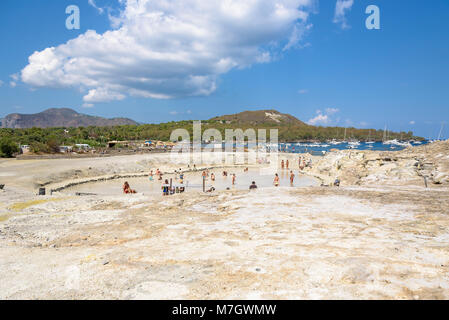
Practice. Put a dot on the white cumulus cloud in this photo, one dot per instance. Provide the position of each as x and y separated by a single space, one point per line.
320 119
324 118
170 48
341 7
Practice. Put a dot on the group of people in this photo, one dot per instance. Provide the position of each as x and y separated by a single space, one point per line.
302 163
179 177
158 175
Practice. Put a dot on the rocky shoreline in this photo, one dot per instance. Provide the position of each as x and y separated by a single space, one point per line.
413 166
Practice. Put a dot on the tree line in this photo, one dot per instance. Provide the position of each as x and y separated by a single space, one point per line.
48 140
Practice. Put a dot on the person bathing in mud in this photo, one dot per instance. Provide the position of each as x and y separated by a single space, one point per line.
276 180
159 174
292 178
127 189
253 186
181 178
165 188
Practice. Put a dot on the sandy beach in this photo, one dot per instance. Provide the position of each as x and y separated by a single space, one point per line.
382 235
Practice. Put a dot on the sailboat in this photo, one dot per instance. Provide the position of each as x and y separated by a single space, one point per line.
441 131
369 142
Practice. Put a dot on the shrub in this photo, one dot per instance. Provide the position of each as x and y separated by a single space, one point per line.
8 148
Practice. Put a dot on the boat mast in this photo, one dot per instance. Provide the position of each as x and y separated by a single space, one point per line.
441 131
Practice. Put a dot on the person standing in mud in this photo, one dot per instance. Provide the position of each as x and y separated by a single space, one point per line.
292 178
181 178
286 164
282 165
165 188
233 179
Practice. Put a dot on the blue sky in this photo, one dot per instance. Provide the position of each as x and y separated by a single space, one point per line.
331 74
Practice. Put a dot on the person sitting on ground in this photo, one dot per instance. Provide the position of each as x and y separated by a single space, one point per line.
212 189
253 186
276 180
166 188
127 189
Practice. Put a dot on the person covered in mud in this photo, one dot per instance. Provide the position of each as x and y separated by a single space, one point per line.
253 186
276 180
165 188
127 189
292 178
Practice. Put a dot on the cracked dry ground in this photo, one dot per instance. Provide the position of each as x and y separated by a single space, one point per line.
311 243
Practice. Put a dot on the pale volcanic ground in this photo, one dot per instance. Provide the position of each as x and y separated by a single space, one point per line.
360 241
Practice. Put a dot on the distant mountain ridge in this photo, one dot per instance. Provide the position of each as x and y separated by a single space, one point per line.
261 117
59 117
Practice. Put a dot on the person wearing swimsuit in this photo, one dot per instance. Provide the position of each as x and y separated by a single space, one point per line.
276 180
